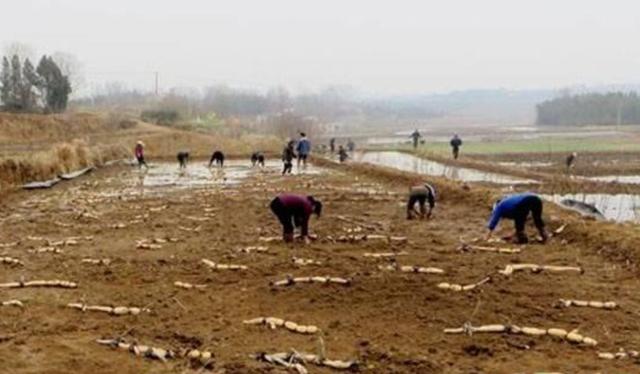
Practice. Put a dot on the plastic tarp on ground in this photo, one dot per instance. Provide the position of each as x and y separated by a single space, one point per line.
40 185
76 174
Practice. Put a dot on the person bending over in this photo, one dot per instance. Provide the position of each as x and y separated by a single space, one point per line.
295 211
183 158
421 194
288 154
257 158
218 158
517 208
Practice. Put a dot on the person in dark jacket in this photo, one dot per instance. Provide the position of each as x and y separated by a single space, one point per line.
288 154
518 207
139 153
332 145
295 211
571 159
218 158
342 154
257 158
183 159
416 138
421 194
456 143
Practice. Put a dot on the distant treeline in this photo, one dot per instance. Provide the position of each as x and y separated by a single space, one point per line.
24 88
590 109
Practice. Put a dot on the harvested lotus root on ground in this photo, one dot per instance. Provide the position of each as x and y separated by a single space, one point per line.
460 287
411 269
116 311
384 254
511 268
10 261
273 323
118 226
250 249
8 245
305 261
147 244
40 283
96 261
16 303
572 336
290 281
620 355
215 266
559 230
270 239
205 358
296 360
188 229
590 304
46 250
369 237
189 286
139 350
470 248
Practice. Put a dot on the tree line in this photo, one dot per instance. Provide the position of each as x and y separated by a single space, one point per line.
614 108
25 88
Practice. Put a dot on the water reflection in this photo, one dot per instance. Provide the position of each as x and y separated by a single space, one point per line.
407 162
619 207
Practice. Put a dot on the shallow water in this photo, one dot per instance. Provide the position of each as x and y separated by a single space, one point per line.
530 164
622 179
407 162
619 208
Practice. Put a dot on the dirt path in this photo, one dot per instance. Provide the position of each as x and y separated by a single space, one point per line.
388 321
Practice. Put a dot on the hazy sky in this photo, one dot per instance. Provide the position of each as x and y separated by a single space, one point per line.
399 46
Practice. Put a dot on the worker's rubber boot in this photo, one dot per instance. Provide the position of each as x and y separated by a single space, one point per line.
521 237
288 238
544 237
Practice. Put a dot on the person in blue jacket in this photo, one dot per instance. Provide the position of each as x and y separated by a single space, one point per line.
517 207
303 149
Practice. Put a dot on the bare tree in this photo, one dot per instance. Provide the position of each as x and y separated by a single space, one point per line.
22 50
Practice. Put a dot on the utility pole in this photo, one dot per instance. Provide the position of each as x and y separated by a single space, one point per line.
156 73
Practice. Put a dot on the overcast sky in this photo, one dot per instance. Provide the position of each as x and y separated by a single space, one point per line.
394 46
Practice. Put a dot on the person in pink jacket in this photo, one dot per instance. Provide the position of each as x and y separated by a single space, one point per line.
295 211
139 153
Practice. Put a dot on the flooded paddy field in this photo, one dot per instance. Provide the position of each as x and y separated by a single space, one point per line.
385 319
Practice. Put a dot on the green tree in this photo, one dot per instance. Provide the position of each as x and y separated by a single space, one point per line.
5 81
15 84
54 86
30 81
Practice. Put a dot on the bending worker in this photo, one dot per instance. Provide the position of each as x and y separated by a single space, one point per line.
517 207
421 194
218 158
295 211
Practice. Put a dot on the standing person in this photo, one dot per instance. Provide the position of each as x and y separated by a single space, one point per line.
332 145
351 146
421 194
342 154
288 154
570 161
303 149
139 152
257 158
517 207
218 158
416 138
295 211
456 142
183 158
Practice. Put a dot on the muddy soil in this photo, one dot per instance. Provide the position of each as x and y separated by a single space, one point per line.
390 322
